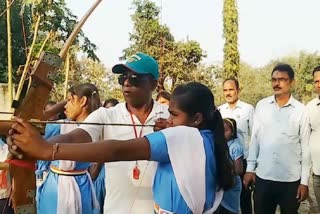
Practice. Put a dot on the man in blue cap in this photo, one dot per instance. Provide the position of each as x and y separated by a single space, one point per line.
128 184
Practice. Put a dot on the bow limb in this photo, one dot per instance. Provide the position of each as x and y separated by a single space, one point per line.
77 29
27 65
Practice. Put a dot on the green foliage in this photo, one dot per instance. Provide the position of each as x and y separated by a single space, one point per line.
55 18
18 49
254 83
176 59
231 61
60 20
87 70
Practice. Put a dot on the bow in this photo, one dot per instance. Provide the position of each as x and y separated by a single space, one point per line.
31 108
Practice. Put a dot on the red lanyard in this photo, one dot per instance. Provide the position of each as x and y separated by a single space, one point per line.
136 170
135 128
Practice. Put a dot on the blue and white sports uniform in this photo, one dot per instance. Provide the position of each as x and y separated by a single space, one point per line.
231 198
165 189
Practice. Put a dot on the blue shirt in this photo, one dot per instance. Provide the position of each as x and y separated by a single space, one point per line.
165 189
231 198
279 149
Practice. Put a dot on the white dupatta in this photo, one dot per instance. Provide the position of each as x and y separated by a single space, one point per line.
188 159
69 195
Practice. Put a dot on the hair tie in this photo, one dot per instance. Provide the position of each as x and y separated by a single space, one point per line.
232 126
94 92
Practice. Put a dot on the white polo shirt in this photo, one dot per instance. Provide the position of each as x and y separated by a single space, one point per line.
243 115
124 194
313 108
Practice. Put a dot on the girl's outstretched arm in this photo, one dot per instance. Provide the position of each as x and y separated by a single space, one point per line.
25 137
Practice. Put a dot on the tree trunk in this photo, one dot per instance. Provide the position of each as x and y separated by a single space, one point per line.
67 69
10 88
160 86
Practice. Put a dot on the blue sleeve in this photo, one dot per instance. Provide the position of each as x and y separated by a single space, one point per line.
236 151
51 130
158 147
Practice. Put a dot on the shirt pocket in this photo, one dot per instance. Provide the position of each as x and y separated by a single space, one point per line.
293 126
242 123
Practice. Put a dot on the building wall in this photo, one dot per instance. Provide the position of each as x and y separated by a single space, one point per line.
4 102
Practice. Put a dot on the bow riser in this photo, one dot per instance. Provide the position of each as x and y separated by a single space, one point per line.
41 84
32 107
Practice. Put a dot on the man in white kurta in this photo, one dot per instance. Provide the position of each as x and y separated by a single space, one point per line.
313 108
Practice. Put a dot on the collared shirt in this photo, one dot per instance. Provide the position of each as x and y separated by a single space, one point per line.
279 149
243 115
313 108
123 193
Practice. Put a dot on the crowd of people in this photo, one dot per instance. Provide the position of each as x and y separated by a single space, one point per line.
179 153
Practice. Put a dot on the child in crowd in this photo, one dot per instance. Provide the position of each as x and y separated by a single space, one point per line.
163 97
230 203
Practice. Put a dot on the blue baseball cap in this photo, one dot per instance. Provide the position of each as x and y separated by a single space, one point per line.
139 63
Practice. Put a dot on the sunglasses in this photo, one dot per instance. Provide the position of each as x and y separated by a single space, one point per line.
133 79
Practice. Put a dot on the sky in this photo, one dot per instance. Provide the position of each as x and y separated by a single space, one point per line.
268 29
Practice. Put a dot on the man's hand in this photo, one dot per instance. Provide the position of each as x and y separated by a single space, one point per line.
249 178
302 193
161 123
27 138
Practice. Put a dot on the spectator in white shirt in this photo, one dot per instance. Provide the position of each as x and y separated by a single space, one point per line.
128 184
279 156
242 113
313 108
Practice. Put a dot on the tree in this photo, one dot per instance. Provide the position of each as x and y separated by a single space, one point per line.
56 19
9 51
18 48
231 61
254 83
176 59
87 70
